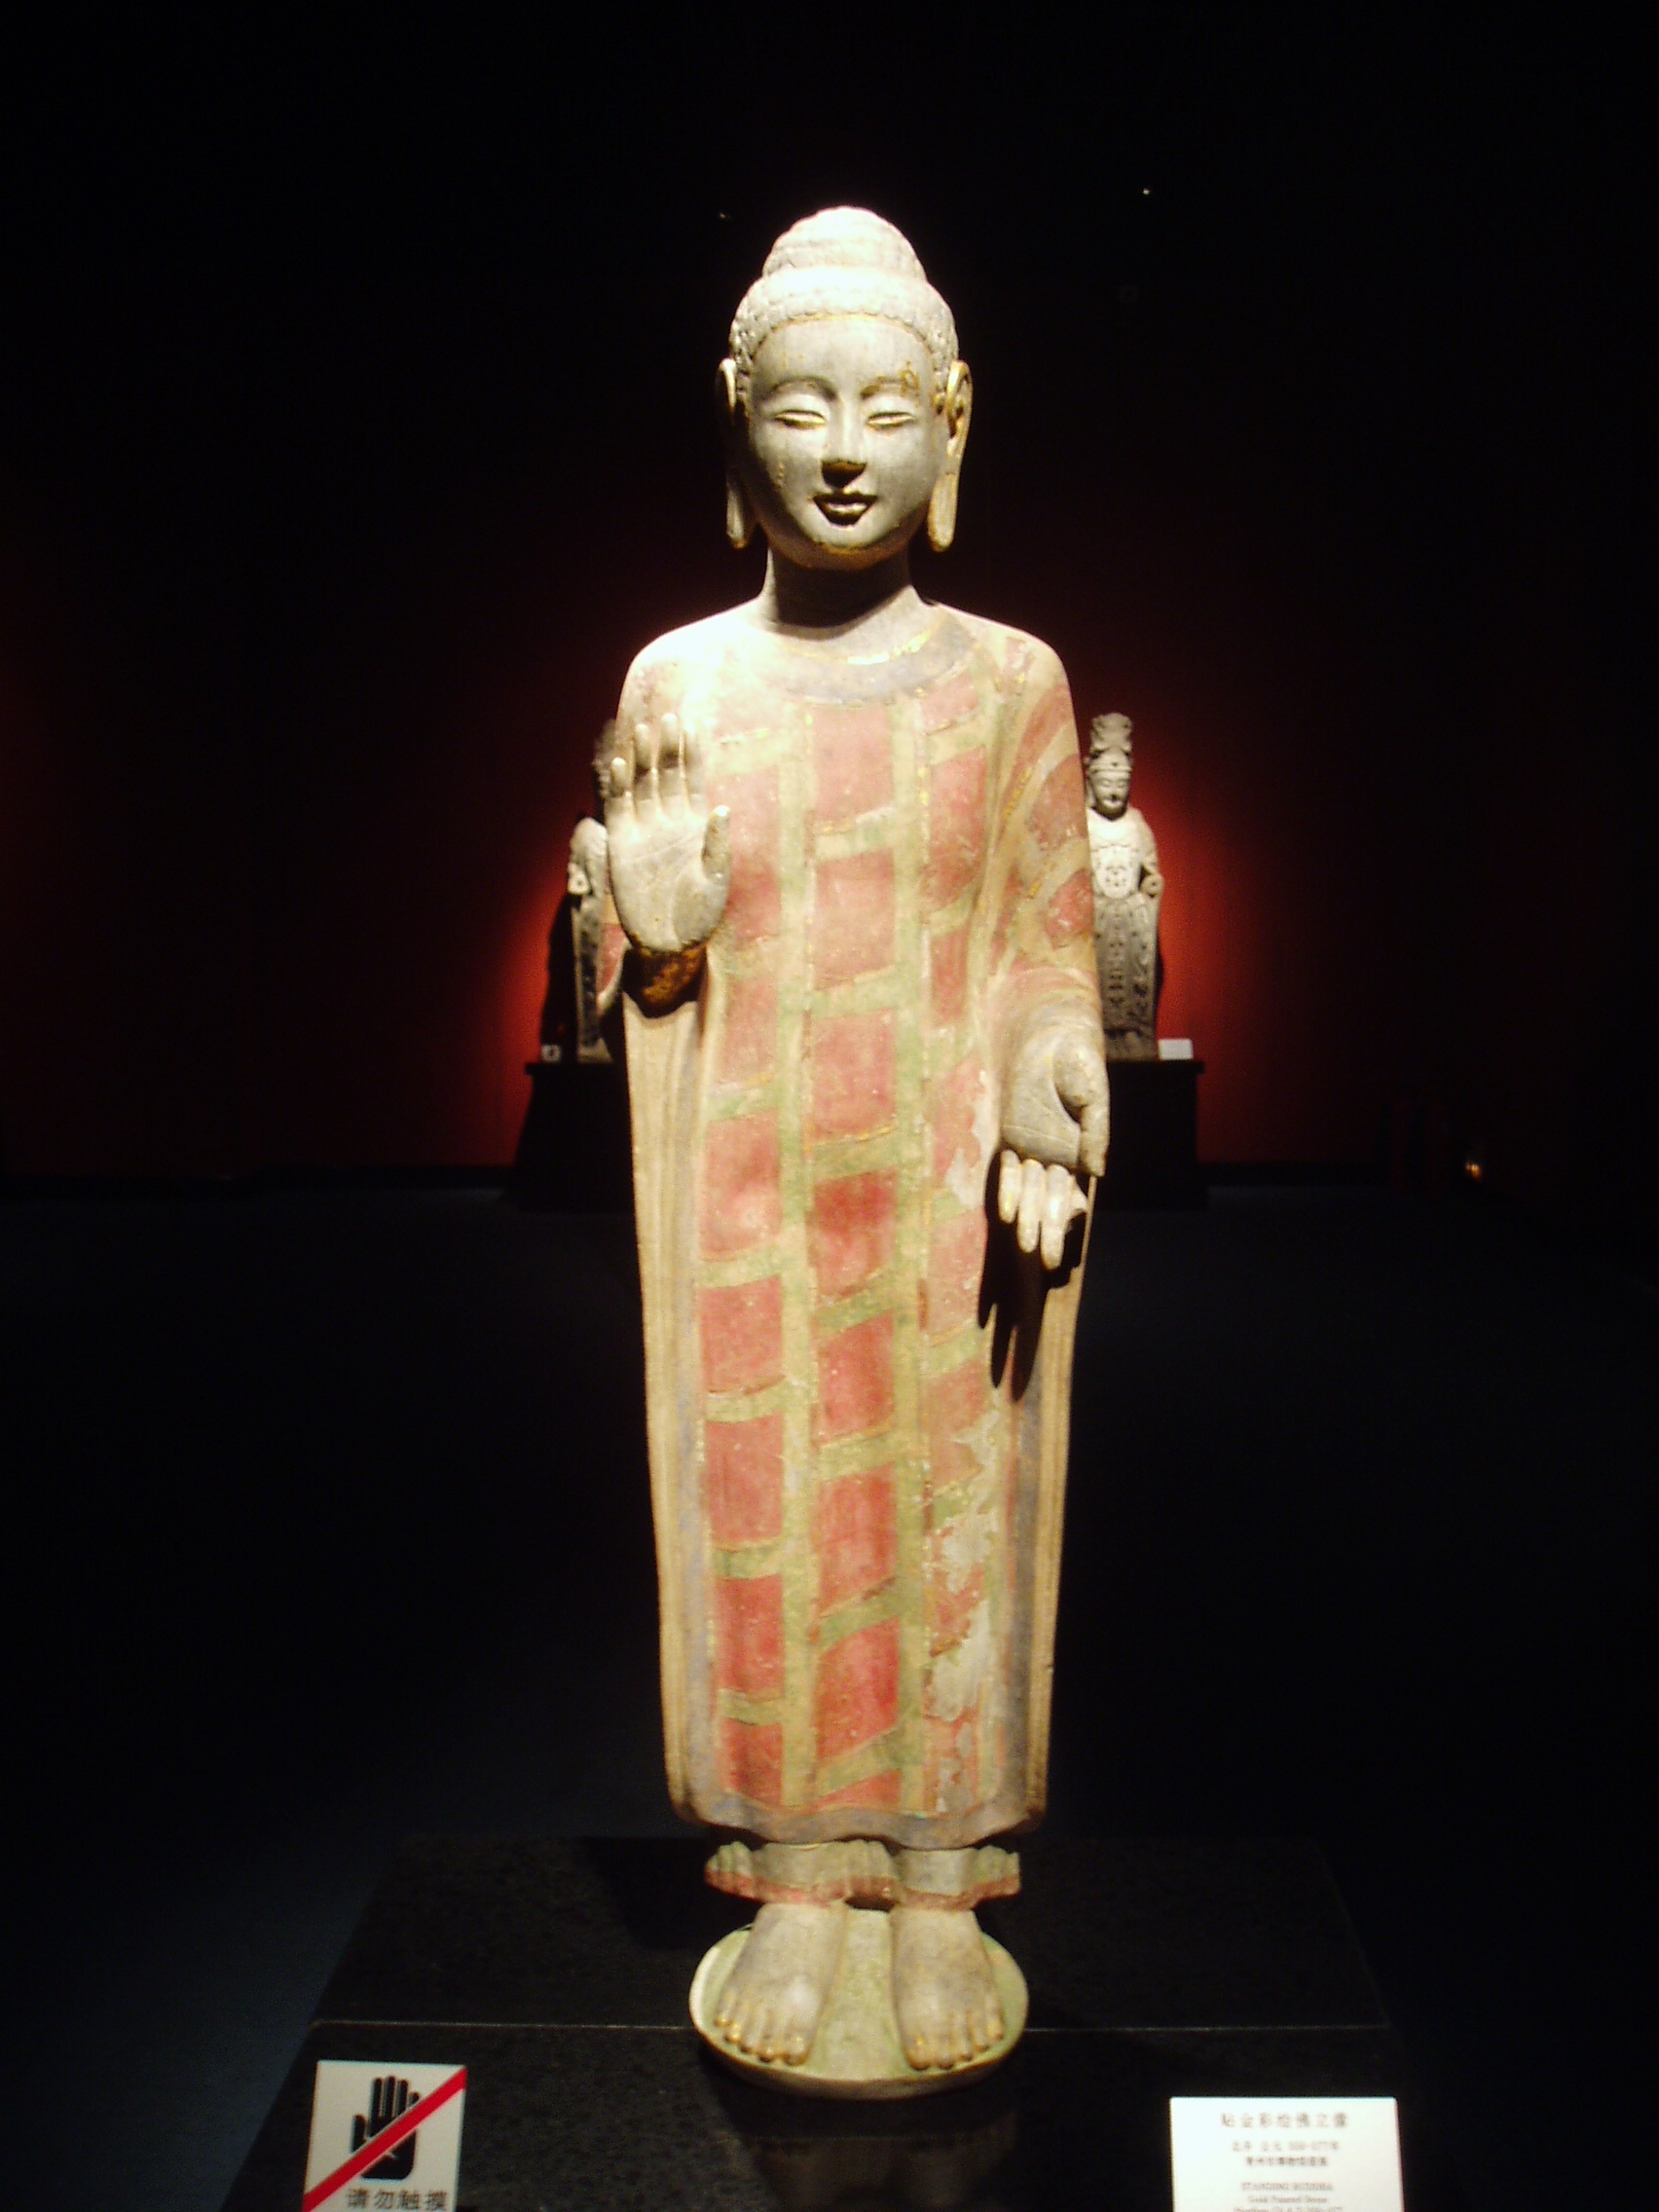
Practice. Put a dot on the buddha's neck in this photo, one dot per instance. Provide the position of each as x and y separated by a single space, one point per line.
831 600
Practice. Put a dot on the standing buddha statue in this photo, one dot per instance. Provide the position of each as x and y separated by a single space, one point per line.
847 845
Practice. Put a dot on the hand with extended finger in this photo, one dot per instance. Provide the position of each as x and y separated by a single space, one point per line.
670 856
1053 1128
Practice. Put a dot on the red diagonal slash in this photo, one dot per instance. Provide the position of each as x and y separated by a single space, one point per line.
379 2144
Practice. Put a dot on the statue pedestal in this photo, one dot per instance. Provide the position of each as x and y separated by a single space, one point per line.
574 1153
557 1972
1153 1158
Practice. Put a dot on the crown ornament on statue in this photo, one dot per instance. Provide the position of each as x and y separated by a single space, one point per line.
1109 733
841 261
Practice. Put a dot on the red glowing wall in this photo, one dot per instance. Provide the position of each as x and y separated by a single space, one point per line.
345 467
330 950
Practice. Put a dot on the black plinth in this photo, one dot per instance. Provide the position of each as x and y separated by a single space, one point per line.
557 1972
1153 1158
574 1153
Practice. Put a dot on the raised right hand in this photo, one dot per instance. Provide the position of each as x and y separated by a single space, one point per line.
670 856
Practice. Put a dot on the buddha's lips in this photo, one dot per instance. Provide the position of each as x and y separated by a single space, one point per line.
844 507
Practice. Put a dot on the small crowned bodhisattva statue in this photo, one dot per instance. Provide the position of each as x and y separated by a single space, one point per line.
847 845
587 880
1128 890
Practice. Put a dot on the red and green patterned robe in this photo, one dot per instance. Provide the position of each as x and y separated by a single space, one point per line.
859 1391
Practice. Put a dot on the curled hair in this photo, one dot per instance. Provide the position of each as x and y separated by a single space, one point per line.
841 261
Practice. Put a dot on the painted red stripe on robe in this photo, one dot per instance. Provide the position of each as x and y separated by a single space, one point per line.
749 1759
858 1689
855 1380
749 1634
855 1536
850 1230
742 1203
745 1461
854 1074
853 917
743 1335
852 764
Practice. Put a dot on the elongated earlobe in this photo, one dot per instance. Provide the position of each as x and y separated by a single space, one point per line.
739 515
958 408
941 510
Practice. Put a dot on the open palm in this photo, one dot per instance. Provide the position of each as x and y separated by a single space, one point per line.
669 854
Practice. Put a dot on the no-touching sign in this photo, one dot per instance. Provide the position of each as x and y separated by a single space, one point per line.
384 2138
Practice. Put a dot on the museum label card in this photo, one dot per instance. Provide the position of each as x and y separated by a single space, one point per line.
1312 2154
383 2138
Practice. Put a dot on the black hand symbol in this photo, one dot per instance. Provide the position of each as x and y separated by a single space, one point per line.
389 2100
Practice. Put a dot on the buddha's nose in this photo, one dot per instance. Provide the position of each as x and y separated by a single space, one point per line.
845 458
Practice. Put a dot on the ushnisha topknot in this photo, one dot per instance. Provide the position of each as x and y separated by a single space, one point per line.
842 261
1111 733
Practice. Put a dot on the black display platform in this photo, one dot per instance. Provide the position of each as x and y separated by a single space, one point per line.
575 1152
1153 1158
557 1972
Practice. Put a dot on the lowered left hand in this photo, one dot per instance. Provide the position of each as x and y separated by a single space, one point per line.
1053 1130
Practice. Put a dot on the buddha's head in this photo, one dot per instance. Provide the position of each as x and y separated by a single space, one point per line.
846 406
1111 764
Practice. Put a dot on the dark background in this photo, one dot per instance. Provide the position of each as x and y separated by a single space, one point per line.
355 428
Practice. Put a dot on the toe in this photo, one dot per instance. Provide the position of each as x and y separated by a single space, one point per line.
729 2018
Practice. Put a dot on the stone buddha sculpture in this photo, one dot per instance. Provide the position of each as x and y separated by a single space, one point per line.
587 879
847 845
1128 891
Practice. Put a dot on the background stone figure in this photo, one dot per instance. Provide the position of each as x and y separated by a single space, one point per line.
1128 888
847 845
587 879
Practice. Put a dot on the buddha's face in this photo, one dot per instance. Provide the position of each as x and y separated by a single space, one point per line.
1109 782
842 443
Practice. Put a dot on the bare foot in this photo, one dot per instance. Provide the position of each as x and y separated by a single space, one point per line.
942 1990
775 1995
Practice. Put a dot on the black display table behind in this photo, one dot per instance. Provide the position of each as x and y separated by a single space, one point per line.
557 1972
1153 1158
574 1151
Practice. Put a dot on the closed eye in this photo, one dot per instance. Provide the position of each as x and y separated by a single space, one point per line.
798 418
892 418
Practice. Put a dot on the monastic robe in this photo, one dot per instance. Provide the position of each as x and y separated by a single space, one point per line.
857 1390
